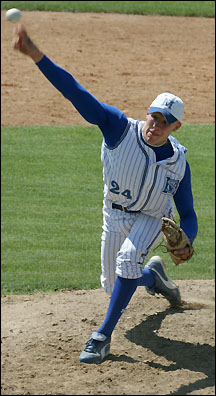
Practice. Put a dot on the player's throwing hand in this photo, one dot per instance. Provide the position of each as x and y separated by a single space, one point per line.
24 44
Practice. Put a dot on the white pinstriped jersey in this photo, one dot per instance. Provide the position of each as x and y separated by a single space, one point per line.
133 178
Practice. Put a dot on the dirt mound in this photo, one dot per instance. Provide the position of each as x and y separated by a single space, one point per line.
155 349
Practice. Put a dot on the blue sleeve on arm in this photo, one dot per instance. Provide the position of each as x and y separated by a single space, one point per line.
184 203
109 119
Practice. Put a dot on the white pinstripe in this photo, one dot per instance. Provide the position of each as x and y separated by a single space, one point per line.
126 241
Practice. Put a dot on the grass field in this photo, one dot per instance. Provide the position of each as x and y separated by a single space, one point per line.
52 207
174 8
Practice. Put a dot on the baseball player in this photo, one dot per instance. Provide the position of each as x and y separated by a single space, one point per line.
145 172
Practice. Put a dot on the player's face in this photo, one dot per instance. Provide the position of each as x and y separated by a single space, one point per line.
156 130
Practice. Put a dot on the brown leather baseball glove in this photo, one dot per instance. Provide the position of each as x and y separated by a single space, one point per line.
176 240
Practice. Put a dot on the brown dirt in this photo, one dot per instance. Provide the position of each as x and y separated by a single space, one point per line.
155 349
125 61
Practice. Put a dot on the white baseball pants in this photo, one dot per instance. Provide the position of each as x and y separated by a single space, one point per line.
126 241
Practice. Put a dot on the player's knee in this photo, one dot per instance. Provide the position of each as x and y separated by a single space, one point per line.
128 269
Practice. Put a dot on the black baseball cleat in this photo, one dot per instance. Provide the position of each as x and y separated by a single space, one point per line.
96 349
163 285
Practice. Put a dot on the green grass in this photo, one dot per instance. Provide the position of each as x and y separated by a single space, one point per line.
52 207
173 8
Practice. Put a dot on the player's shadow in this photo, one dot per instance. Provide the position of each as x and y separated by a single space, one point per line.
193 357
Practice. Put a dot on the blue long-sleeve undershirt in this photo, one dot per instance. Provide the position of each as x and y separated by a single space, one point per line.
109 119
112 123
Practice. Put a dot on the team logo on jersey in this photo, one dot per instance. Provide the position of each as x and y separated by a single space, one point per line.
170 186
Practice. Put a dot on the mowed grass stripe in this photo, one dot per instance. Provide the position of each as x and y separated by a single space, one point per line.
172 8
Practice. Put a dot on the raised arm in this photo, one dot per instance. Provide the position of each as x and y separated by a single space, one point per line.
109 119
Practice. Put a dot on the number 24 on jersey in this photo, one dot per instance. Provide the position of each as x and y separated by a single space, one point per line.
116 190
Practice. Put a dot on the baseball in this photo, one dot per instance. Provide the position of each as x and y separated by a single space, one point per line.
13 15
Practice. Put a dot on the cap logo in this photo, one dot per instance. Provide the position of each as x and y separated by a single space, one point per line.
168 103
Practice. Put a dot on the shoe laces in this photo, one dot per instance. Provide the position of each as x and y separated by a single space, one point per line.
91 345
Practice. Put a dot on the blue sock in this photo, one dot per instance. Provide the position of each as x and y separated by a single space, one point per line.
147 279
121 295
